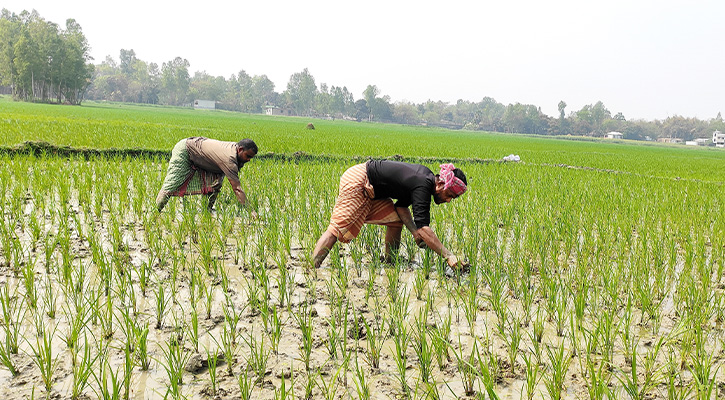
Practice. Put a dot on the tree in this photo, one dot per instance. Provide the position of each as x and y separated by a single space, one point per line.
717 124
128 61
39 61
562 124
301 92
599 114
341 102
323 100
175 82
361 110
684 128
405 113
205 86
370 94
383 110
490 115
76 71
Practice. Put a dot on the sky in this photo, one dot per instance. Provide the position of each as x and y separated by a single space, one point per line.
646 59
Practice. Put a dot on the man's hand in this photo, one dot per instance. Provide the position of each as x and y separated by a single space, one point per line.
419 240
457 264
452 261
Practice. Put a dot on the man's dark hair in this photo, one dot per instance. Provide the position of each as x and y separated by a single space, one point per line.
460 175
248 144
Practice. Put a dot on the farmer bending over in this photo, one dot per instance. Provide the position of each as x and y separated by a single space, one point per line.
365 196
198 166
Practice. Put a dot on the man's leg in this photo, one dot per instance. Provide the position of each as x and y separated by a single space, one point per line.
392 243
177 172
162 199
322 248
211 199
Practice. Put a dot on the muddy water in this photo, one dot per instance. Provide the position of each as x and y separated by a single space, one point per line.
287 362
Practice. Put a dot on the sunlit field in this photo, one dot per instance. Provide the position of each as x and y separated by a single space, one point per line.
596 267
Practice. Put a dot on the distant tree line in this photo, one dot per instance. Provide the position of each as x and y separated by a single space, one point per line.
40 62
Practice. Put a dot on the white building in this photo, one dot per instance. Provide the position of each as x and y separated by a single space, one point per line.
718 138
205 104
614 135
274 110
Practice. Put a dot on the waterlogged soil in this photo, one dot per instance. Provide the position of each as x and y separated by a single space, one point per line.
284 365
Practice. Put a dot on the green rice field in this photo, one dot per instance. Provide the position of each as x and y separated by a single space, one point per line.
596 266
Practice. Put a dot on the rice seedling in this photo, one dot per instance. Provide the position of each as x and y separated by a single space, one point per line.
512 340
31 293
108 382
77 319
49 298
533 376
284 392
173 362
329 388
212 362
306 326
192 327
258 357
6 360
677 389
310 384
375 337
162 303
440 339
246 385
209 293
466 365
12 315
229 346
559 363
488 371
398 312
362 385
43 357
422 346
598 380
142 351
401 340
704 370
471 305
275 331
334 337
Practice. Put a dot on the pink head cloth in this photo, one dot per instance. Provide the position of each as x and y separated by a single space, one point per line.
450 181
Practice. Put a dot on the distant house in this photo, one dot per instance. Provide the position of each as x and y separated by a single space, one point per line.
718 139
614 135
205 104
669 140
274 110
698 142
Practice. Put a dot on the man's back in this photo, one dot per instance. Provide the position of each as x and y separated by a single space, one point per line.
214 156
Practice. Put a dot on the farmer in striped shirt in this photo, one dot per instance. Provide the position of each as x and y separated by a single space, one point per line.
198 165
365 196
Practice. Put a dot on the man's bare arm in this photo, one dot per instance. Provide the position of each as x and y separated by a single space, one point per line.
404 215
430 239
239 193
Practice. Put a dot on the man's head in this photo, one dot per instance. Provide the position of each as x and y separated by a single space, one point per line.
450 184
246 150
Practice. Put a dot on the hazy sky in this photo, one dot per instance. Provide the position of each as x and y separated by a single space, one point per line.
646 59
